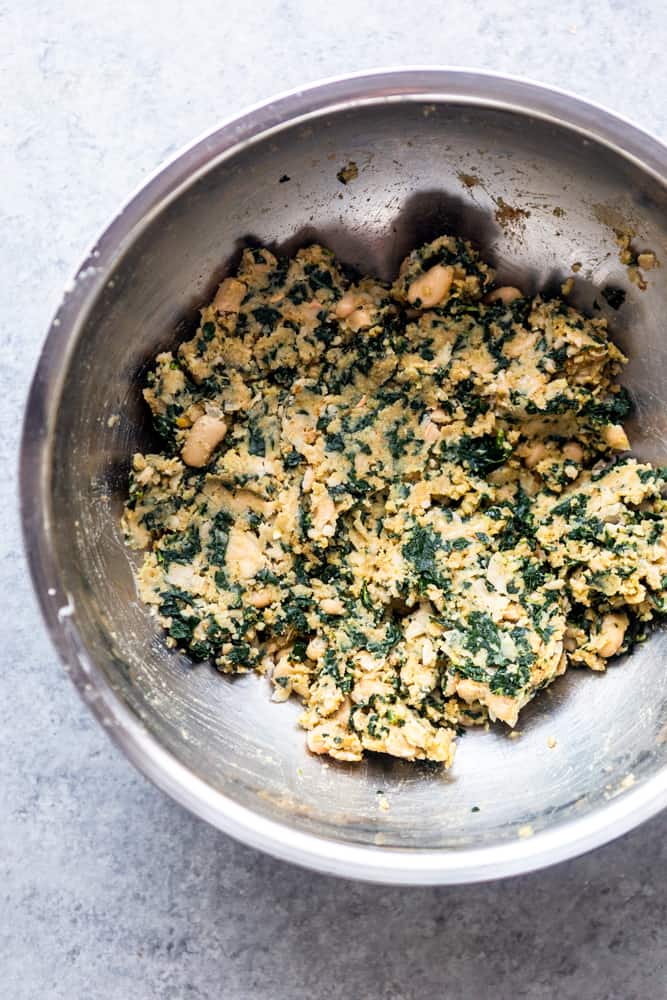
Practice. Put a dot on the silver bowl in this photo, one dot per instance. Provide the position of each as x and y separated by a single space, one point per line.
539 180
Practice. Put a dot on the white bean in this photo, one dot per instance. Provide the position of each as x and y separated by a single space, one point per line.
431 287
360 319
332 606
346 305
428 653
261 598
230 295
505 294
202 439
573 451
308 479
317 741
647 260
612 632
535 453
431 432
438 416
615 437
316 648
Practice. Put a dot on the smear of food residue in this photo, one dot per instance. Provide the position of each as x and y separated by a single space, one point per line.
509 215
636 261
470 180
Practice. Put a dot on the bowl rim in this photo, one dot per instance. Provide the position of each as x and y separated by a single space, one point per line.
389 865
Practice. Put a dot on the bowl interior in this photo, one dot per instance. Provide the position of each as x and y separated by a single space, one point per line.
536 197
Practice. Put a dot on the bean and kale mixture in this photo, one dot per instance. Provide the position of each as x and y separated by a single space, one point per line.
409 506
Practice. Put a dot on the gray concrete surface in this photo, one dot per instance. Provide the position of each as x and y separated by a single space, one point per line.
108 890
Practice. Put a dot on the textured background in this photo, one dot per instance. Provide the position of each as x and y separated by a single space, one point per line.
107 889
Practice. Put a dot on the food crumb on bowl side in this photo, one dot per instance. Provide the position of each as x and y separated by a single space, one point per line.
348 173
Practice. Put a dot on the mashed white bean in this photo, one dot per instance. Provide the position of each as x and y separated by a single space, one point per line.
404 504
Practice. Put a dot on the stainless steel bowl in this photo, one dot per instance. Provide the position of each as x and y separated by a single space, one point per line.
539 180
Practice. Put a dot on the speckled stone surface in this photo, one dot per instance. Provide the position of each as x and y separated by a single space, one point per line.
108 890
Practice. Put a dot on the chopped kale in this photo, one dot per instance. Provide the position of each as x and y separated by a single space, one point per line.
166 429
218 538
283 376
326 332
612 410
182 547
334 442
239 655
332 668
182 627
482 454
520 523
177 605
256 442
279 274
471 400
292 459
399 439
200 650
509 673
298 651
533 575
358 487
298 293
266 316
592 530
421 550
319 278
294 612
